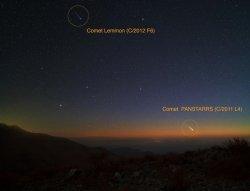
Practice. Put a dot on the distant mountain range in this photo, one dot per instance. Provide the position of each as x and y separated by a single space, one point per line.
129 152
25 151
31 161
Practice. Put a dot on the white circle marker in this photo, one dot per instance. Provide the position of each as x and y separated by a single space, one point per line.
189 128
78 15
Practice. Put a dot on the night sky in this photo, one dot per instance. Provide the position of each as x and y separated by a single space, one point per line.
56 78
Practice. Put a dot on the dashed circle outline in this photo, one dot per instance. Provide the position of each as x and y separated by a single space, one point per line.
88 15
196 130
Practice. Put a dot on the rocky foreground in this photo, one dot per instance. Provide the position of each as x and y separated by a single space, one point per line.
220 168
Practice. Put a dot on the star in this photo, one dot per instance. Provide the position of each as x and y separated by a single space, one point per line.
60 107
142 19
140 89
87 87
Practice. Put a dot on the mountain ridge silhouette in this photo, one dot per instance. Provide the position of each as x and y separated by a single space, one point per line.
25 151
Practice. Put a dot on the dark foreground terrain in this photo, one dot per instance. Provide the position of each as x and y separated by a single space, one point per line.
41 162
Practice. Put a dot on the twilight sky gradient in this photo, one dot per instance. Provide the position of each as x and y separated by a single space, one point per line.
57 79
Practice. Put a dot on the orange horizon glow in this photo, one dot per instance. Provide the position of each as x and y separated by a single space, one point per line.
147 130
160 131
123 134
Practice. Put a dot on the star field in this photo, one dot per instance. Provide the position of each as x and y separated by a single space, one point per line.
55 76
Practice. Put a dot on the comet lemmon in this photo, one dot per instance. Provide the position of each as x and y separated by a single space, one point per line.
106 30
